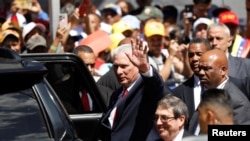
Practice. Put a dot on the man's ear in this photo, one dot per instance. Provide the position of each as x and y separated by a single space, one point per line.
224 70
211 117
230 41
182 119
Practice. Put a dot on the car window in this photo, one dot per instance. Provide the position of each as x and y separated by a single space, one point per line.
20 117
68 85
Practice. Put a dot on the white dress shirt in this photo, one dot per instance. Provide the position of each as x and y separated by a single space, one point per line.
179 135
197 98
197 91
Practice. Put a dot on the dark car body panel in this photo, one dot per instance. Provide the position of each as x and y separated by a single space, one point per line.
29 107
85 123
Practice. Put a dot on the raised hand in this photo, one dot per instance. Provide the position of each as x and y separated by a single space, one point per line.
139 55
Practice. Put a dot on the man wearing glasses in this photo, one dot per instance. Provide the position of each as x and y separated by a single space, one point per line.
170 117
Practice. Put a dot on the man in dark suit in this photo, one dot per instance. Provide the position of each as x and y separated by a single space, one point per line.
87 55
219 36
109 79
214 74
214 109
130 116
189 91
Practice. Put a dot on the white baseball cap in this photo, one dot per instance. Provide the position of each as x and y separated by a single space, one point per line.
201 20
30 26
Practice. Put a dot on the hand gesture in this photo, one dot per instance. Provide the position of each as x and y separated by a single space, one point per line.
139 55
36 7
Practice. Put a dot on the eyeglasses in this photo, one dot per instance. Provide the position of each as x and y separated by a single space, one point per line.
163 118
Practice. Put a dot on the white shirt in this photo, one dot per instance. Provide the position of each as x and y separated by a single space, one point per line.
197 91
179 135
197 98
21 19
222 85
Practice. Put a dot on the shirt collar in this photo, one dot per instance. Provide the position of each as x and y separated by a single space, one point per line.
222 85
130 86
179 135
196 80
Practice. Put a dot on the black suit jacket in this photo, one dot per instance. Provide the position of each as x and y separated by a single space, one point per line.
109 80
185 91
134 116
105 93
107 84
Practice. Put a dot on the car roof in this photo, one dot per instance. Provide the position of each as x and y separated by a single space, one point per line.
16 73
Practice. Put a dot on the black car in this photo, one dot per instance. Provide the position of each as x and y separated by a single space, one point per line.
67 74
29 107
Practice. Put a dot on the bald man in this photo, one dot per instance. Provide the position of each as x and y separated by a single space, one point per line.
238 68
214 74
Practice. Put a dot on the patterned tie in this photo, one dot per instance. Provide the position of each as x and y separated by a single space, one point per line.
85 101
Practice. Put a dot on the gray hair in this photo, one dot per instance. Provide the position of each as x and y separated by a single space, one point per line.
226 29
179 107
124 48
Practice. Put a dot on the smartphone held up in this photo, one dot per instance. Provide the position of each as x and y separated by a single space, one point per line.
189 12
63 20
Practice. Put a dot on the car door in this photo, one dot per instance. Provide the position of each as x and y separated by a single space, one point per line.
29 107
68 74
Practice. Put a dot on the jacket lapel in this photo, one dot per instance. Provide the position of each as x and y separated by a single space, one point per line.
122 104
189 93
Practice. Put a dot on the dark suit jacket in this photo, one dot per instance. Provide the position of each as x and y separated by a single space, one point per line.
239 102
109 80
185 91
238 67
134 116
239 73
105 93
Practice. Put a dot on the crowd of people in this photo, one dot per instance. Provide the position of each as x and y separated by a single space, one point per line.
181 73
